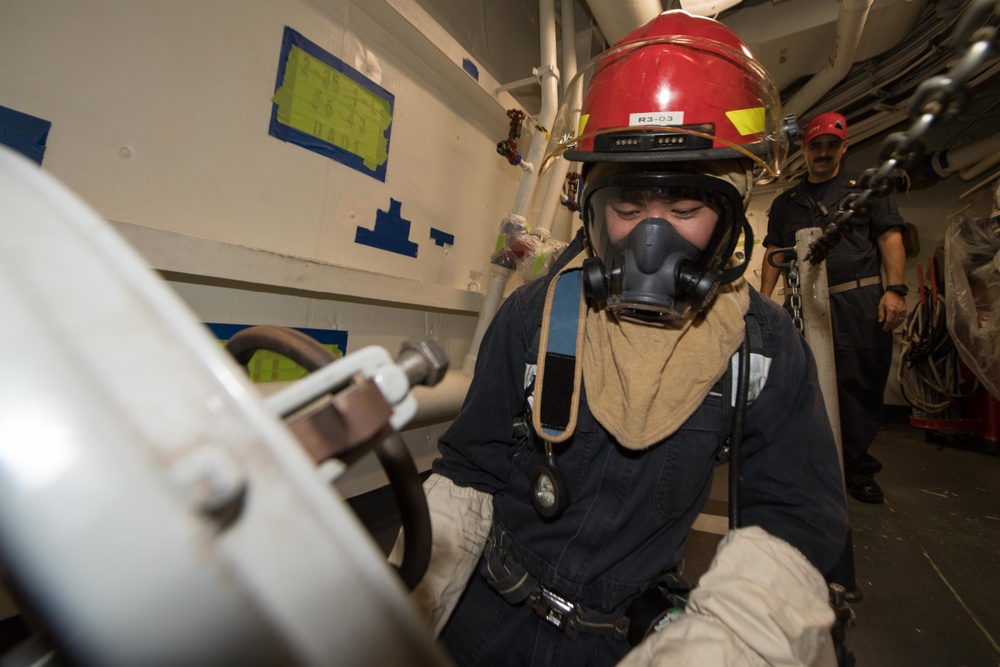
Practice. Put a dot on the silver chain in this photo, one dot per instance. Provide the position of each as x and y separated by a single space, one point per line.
796 299
939 98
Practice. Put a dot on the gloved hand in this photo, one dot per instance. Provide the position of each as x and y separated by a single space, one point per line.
760 603
461 518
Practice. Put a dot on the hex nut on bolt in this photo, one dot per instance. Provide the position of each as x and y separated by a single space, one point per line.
210 480
424 362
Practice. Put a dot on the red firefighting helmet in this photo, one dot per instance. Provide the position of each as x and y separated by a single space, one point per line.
681 88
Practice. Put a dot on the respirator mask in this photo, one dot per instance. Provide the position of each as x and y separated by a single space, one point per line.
654 272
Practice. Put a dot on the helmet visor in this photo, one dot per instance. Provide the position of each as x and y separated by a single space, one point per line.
706 211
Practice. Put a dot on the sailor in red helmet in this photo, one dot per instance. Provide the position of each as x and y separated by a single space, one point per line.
607 392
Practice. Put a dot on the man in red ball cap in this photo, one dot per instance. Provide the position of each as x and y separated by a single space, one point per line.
864 313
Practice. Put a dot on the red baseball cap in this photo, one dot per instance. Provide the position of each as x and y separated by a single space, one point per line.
827 123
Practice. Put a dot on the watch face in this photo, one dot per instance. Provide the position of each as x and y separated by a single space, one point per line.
545 490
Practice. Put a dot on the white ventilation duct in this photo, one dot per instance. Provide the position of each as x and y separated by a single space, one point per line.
617 17
708 7
970 160
850 24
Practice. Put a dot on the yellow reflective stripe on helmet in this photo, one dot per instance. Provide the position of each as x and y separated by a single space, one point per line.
747 121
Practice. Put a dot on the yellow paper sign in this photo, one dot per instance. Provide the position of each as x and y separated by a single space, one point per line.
317 100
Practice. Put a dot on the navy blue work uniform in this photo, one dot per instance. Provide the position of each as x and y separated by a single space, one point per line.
862 350
630 511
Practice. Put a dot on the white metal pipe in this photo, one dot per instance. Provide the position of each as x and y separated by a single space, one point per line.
556 175
962 158
443 400
850 23
494 294
980 167
567 18
548 78
617 17
995 176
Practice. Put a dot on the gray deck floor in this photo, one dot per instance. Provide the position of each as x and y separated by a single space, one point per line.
926 560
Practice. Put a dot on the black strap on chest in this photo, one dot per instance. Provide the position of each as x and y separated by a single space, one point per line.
560 370
558 393
736 435
753 341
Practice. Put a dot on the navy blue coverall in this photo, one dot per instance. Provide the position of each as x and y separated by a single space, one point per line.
630 511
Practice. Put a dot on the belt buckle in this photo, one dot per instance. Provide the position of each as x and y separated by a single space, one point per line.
555 610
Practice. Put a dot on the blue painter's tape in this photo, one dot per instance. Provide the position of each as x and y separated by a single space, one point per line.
442 238
24 133
373 239
324 336
470 68
392 232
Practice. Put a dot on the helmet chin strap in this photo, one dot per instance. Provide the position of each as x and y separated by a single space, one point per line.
734 272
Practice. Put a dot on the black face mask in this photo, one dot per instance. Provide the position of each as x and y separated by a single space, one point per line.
654 273
651 275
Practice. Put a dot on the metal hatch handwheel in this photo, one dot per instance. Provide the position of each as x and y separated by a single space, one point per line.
354 420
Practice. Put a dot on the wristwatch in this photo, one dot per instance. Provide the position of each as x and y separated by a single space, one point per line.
901 290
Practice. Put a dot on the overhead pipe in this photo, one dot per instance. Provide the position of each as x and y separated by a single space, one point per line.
980 167
615 18
965 159
708 7
969 160
548 77
558 171
850 24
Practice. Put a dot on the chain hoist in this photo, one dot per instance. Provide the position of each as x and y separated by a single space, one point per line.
793 280
795 301
939 98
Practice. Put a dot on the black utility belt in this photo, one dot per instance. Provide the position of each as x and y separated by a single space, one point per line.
650 612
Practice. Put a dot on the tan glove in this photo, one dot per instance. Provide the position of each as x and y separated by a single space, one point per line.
461 518
760 603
